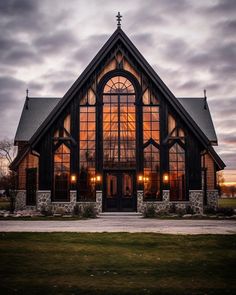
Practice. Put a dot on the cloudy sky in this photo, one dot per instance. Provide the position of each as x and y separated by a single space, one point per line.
46 44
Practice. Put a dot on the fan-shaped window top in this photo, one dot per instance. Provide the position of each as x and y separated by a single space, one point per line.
119 84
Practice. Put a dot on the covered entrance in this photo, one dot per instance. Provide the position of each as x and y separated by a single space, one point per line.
119 191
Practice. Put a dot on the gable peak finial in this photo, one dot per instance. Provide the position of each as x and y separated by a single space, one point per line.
119 16
27 93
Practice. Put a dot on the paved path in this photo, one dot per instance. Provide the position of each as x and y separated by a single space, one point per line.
123 224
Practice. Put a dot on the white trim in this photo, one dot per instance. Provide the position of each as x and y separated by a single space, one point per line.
41 191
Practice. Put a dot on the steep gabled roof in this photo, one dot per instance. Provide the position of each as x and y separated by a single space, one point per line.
119 36
198 109
34 112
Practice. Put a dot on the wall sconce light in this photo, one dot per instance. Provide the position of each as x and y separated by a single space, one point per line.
146 179
140 178
98 178
93 179
165 178
73 178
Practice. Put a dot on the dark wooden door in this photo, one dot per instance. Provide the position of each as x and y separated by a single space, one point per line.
31 186
119 191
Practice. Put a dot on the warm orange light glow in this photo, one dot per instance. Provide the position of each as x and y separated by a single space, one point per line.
228 183
93 179
98 178
73 178
140 178
146 179
166 177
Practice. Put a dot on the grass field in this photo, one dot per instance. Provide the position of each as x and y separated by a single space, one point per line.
119 263
4 205
227 202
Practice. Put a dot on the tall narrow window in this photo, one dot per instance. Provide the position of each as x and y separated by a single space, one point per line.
119 123
151 173
177 173
151 140
61 173
87 139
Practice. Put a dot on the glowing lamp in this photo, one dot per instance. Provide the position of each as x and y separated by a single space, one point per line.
140 178
73 178
93 179
165 178
98 178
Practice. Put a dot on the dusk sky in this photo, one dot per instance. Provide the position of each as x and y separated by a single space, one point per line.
45 45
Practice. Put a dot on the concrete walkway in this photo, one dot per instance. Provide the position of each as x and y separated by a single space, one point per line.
123 224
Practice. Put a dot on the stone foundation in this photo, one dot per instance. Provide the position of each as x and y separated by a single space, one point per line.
194 204
212 199
44 203
20 203
196 201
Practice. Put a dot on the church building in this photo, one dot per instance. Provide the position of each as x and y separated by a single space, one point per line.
118 140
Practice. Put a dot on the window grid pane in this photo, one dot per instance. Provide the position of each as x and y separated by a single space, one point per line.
87 152
177 173
151 173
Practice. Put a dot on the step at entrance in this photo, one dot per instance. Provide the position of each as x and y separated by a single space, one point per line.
120 214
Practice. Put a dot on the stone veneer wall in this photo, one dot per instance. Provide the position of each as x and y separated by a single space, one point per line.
212 198
20 203
195 202
44 202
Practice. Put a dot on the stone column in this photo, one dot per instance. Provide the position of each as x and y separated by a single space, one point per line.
140 206
196 201
20 203
43 200
166 199
99 201
212 198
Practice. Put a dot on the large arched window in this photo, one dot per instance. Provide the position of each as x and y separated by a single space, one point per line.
119 123
177 173
61 173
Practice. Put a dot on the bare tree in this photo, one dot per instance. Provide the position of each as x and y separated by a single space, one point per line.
7 177
220 182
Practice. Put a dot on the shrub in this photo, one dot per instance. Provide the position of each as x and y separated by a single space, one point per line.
46 210
172 208
150 212
60 210
209 210
189 210
89 211
180 211
76 210
225 211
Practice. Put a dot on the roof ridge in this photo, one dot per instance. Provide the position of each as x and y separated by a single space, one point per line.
42 97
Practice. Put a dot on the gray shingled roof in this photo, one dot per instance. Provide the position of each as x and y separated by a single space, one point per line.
38 110
201 116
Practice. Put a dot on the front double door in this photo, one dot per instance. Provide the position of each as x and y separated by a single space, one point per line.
119 191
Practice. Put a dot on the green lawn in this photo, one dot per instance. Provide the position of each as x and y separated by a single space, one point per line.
4 205
227 202
117 263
